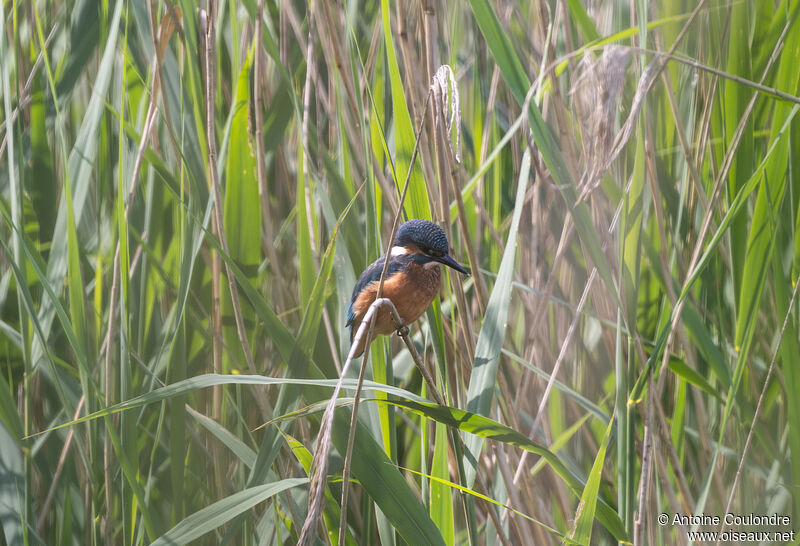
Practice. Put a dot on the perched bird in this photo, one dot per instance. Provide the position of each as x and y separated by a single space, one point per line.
412 279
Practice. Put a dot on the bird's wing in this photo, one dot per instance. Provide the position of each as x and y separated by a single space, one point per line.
372 274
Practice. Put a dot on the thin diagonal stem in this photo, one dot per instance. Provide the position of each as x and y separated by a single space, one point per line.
760 404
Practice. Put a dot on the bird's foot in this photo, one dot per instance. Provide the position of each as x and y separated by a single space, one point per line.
403 331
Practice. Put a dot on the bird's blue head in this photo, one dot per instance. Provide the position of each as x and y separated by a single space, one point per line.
428 241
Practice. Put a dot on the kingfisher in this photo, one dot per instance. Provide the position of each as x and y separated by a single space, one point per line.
412 278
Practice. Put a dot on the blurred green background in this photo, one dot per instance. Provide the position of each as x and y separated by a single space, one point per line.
188 197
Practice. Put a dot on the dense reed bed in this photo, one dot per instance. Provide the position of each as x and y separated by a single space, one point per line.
188 197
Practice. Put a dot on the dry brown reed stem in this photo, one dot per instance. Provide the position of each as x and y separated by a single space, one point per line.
354 418
108 383
646 81
501 460
566 233
672 455
563 352
707 220
759 406
212 257
694 171
674 505
330 34
523 117
446 118
62 458
263 192
319 469
25 95
322 452
655 414
214 181
647 455
418 77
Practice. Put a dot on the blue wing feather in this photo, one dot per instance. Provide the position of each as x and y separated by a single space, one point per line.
372 274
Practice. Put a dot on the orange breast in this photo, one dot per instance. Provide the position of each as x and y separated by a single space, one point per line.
411 292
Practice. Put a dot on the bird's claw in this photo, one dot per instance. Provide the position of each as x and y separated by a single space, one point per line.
402 331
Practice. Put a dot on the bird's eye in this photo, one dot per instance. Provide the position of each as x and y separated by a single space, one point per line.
425 249
436 253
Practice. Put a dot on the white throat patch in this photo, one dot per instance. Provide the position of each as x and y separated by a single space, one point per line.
398 251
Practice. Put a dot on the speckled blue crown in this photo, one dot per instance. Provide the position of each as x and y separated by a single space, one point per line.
422 233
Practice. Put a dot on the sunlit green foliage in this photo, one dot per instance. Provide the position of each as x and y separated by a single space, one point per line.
623 184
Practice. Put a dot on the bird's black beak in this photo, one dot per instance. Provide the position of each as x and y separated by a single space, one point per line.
450 262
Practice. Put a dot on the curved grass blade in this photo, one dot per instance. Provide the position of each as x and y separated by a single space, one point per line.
80 162
242 451
582 532
223 511
450 485
209 380
493 329
385 484
417 199
241 213
492 430
736 205
514 74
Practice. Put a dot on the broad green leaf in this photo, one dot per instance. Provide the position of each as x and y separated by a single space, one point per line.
209 380
634 209
441 508
304 209
43 178
417 199
241 214
242 451
384 483
450 485
789 348
582 19
682 369
84 37
493 329
223 511
489 429
582 531
736 98
756 259
81 159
